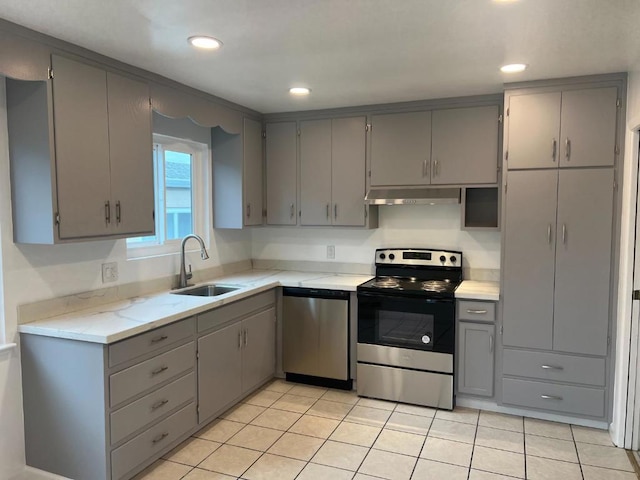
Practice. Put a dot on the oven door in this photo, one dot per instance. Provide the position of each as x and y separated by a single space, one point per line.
406 322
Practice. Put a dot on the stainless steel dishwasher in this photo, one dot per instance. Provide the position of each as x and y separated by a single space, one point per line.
316 336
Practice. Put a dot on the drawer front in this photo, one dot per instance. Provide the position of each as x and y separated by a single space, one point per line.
554 366
145 375
549 396
222 315
136 415
151 442
139 345
478 311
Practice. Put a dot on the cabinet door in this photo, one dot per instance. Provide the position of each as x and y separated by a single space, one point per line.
315 172
131 154
588 132
348 170
529 258
534 129
583 261
82 148
401 149
475 358
281 173
219 370
259 350
252 172
465 146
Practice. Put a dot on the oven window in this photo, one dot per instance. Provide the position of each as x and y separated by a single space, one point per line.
406 323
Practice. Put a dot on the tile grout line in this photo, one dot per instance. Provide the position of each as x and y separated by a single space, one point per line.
575 446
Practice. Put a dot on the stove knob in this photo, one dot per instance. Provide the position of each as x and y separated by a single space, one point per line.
453 259
382 256
391 256
443 258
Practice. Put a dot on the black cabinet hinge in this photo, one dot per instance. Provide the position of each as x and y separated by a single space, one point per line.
618 103
367 127
57 218
636 295
499 118
50 72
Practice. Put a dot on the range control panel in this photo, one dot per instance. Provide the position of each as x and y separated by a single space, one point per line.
418 256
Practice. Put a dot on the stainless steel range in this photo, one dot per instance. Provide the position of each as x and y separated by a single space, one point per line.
406 327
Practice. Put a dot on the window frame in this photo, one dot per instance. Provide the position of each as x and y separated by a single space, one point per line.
201 195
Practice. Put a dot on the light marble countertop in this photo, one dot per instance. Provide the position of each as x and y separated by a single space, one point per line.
119 320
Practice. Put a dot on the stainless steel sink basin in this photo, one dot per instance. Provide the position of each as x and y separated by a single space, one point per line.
207 290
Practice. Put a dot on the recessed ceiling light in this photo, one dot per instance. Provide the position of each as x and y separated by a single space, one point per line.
207 43
513 68
299 91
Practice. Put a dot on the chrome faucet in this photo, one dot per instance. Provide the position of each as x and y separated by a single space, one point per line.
184 276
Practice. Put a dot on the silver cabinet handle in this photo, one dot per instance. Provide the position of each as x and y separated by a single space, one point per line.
328 211
246 336
477 312
549 234
436 168
554 149
425 168
567 152
293 210
490 343
107 211
564 233
551 367
158 371
550 397
335 211
239 340
159 339
248 210
160 437
159 404
118 216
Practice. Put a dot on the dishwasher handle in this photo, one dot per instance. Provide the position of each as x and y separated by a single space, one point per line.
315 293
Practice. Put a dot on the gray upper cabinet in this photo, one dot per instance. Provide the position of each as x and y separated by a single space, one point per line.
583 261
571 128
475 358
80 152
131 151
557 260
252 172
281 162
529 258
465 146
332 171
401 149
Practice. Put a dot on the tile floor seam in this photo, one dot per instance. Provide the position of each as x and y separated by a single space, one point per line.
524 446
473 447
376 439
575 445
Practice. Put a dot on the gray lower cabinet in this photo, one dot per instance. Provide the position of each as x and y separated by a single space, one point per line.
332 171
281 173
475 347
81 155
236 356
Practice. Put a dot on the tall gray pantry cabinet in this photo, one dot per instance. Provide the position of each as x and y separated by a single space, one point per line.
559 197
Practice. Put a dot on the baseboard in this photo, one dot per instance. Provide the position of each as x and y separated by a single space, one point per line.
30 473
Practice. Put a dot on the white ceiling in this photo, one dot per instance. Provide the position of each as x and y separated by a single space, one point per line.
349 52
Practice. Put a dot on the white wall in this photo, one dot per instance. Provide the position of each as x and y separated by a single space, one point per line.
37 272
429 226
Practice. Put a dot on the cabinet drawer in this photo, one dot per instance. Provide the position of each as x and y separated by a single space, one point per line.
145 375
151 442
554 366
149 342
549 396
241 308
478 311
151 407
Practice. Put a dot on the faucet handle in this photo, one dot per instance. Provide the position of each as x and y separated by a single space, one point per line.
189 275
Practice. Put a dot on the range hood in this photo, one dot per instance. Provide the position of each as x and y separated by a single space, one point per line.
412 196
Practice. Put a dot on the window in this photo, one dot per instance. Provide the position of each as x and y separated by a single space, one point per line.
181 173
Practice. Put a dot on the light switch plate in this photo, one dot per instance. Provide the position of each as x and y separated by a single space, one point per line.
109 272
331 252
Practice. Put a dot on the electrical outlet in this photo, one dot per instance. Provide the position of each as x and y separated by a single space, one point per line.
109 272
331 252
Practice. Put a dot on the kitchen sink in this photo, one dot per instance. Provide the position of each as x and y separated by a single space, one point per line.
207 290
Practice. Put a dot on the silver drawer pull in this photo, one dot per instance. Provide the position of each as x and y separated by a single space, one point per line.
160 437
161 338
550 397
159 404
551 367
158 371
476 312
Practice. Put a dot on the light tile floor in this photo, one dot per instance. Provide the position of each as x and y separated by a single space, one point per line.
288 431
